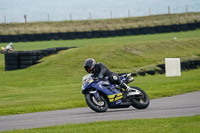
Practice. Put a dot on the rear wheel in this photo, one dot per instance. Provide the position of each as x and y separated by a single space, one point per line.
98 105
140 101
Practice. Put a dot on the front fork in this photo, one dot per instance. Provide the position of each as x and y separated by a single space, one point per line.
96 94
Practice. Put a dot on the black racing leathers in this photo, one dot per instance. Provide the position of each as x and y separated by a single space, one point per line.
101 69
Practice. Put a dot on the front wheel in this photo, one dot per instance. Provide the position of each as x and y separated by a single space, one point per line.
140 101
98 105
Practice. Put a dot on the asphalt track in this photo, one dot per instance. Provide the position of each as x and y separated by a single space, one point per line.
180 105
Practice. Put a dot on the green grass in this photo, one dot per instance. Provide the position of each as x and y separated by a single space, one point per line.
189 124
92 25
56 82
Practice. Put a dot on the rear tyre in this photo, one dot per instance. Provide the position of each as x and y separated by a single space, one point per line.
140 101
100 105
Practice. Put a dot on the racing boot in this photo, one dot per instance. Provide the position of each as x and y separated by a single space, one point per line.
128 89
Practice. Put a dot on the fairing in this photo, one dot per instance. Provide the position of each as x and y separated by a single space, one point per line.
114 96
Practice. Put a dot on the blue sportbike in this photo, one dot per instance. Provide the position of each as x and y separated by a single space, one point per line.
102 94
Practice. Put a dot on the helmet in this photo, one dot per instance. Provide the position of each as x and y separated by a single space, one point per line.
89 64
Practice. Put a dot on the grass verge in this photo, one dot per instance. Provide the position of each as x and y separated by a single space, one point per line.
189 124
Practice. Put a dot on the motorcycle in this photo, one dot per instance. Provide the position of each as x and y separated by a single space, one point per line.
102 94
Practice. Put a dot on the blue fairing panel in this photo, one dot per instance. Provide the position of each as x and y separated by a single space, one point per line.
114 96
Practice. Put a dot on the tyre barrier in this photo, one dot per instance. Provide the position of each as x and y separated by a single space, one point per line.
112 33
100 33
39 37
159 29
136 31
30 37
183 27
14 38
104 33
55 36
141 73
151 72
11 61
186 65
176 28
5 38
198 24
192 26
63 36
79 35
119 32
96 34
167 29
22 38
151 30
23 59
127 32
144 30
88 34
71 35
26 59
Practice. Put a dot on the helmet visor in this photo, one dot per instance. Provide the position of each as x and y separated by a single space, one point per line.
89 69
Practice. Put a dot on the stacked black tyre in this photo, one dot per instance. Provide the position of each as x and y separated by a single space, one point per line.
38 55
63 48
49 51
11 61
26 59
52 51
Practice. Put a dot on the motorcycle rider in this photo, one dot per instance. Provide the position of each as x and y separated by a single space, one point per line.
100 70
9 47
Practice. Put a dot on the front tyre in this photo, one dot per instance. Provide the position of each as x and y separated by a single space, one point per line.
140 101
98 105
